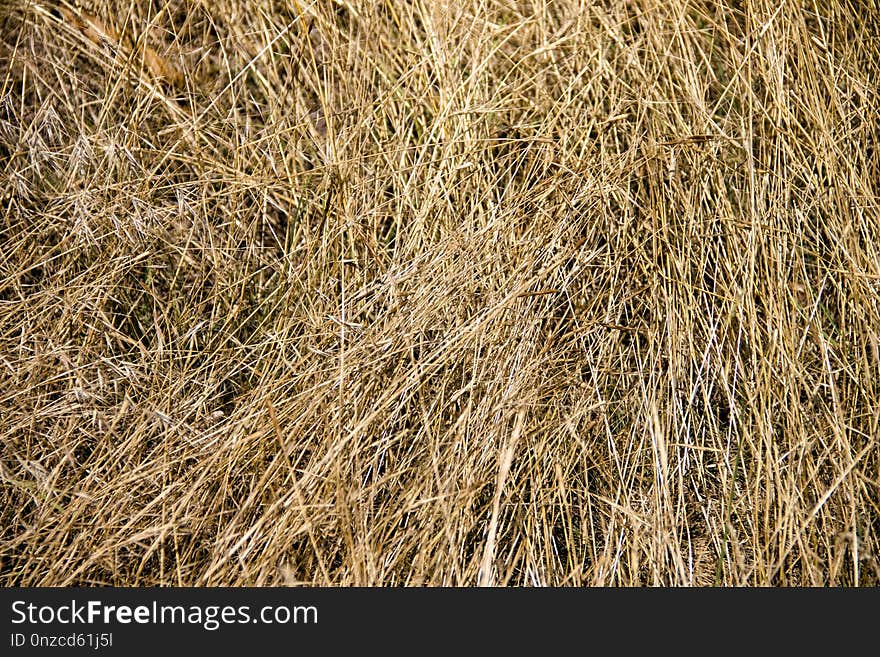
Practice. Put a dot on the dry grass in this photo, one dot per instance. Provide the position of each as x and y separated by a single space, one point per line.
407 292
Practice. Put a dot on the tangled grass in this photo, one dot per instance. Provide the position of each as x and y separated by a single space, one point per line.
405 292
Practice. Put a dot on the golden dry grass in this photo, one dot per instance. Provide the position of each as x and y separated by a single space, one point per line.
513 292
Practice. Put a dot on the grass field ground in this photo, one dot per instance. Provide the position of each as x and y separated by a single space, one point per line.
506 292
